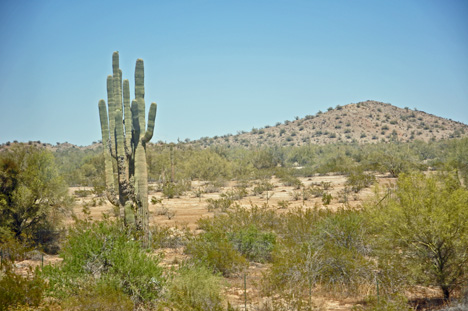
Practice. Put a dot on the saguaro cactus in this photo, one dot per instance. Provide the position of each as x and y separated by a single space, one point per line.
124 136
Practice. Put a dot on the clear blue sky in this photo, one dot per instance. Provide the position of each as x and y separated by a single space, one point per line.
217 67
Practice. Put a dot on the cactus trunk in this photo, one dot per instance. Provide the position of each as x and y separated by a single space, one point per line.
124 137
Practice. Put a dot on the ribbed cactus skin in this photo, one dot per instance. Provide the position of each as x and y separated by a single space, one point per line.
124 137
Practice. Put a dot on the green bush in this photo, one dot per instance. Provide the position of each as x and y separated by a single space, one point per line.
105 252
253 244
33 196
329 249
359 180
326 198
97 297
17 290
82 193
169 237
385 303
171 190
425 219
237 193
262 186
214 250
194 288
222 204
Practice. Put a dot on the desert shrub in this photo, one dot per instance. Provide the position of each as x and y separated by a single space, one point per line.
329 249
238 218
262 186
96 297
326 198
288 178
253 244
104 252
211 188
422 217
169 237
222 204
315 191
33 196
194 288
165 211
283 204
155 200
214 250
291 181
263 159
359 180
171 190
82 193
385 303
235 194
12 249
296 195
229 238
17 290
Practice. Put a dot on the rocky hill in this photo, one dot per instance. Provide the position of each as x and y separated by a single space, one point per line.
364 122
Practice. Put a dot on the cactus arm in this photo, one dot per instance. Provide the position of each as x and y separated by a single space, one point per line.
110 186
119 130
135 123
128 118
110 103
151 120
139 79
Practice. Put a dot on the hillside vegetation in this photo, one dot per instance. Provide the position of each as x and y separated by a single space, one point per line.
364 122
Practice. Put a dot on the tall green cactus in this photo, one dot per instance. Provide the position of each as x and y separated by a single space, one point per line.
124 136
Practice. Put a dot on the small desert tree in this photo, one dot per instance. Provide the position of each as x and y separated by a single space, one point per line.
424 226
32 194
